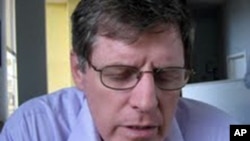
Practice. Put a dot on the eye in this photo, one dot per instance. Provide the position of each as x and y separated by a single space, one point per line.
167 78
119 73
169 75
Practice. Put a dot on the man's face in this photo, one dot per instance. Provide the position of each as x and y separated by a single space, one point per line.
144 112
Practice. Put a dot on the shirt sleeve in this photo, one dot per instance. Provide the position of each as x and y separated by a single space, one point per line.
46 118
4 136
13 133
28 128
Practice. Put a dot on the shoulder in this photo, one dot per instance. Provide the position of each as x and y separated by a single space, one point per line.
200 121
46 114
66 101
200 109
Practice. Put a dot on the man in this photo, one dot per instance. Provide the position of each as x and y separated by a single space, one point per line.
129 61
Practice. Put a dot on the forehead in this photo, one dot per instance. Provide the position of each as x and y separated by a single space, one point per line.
156 47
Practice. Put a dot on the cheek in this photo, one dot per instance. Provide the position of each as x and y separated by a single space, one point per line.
105 106
167 106
169 100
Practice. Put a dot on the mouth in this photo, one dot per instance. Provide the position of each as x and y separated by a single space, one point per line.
142 127
137 131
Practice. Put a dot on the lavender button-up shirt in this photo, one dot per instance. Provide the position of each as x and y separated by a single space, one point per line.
65 116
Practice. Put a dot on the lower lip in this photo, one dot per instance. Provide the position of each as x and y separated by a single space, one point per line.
141 133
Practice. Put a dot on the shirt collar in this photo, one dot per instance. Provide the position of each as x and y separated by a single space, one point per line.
84 128
175 133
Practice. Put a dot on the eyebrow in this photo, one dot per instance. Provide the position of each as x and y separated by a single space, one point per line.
115 63
135 65
122 65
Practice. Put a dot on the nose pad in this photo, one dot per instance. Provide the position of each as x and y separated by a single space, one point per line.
139 75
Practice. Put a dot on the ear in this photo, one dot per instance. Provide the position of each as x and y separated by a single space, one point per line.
77 74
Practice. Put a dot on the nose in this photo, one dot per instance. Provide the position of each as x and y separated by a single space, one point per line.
144 96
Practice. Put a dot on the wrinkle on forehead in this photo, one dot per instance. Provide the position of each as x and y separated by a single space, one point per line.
164 47
130 35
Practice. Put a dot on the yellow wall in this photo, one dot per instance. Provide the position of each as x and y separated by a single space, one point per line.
58 49
71 5
58 30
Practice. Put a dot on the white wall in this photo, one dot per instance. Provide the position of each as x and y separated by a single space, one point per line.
237 19
231 96
237 26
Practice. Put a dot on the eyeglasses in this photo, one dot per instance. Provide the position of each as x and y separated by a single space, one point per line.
119 77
